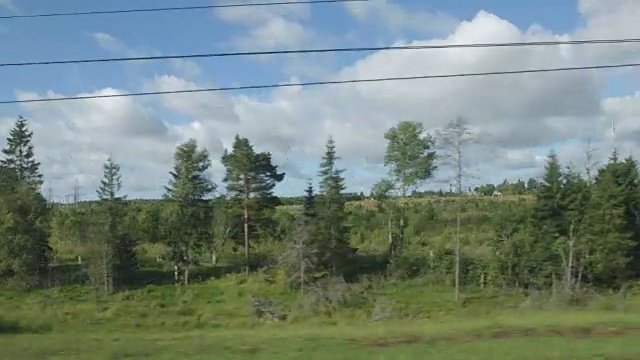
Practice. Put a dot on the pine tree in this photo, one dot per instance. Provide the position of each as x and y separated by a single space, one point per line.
331 242
19 154
629 179
299 261
610 237
24 235
250 178
573 234
309 202
24 214
119 258
548 218
187 191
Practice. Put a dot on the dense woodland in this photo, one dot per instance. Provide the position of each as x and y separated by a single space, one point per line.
571 229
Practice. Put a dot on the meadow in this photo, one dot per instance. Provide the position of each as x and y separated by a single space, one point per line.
550 270
214 320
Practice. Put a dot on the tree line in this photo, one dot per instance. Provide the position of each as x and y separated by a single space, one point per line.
577 229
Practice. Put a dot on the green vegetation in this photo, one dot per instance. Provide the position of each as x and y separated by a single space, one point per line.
245 274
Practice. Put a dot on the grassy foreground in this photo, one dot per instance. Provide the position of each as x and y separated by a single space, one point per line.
581 335
214 321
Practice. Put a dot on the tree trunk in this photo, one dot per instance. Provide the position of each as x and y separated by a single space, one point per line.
569 262
301 267
581 266
391 245
457 280
569 279
105 271
176 274
187 265
402 224
246 233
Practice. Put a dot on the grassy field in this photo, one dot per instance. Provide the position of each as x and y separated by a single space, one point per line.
542 335
214 320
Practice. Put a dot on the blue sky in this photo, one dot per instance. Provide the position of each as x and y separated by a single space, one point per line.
329 25
199 31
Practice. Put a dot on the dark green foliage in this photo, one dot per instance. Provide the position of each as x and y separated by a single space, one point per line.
250 179
309 202
19 154
548 218
24 214
300 259
574 233
331 239
515 264
409 155
188 213
119 257
610 224
24 234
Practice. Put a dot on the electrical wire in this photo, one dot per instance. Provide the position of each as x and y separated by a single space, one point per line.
328 50
330 82
174 8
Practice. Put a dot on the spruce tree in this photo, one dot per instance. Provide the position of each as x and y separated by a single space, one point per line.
299 261
611 240
332 236
630 180
548 218
24 224
119 253
309 202
187 192
19 154
573 234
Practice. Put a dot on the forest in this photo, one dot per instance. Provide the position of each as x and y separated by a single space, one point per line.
564 237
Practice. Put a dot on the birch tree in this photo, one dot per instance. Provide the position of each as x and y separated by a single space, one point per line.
410 159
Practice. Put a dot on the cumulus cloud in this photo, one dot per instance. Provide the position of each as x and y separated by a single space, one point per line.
517 118
74 138
268 28
397 18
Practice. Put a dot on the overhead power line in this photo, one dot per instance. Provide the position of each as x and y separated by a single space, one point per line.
330 82
174 8
328 50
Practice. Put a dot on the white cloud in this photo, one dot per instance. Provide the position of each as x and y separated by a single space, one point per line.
9 4
268 28
74 138
250 15
614 19
397 18
519 117
186 68
108 42
276 33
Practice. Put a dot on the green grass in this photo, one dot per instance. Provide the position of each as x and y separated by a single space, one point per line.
214 320
557 335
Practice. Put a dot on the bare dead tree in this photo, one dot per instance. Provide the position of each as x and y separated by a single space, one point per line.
590 164
452 140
